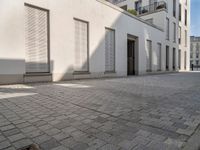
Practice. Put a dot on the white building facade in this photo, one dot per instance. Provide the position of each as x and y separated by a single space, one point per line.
195 51
173 16
73 39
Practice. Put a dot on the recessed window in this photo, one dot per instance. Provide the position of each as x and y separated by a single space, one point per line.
167 28
174 8
149 56
180 12
81 46
174 37
109 50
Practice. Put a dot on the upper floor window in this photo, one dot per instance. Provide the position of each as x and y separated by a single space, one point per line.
174 38
185 17
179 35
180 12
167 28
191 47
174 8
185 38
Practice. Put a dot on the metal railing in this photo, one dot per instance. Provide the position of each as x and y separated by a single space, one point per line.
152 8
117 1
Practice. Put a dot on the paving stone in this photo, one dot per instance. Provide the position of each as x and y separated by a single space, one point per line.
2 138
80 146
16 137
60 148
109 147
4 144
69 142
6 128
145 112
61 136
22 143
96 143
174 142
41 139
11 132
50 144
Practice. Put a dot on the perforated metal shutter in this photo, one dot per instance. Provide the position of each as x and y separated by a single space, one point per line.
36 39
81 46
159 56
110 51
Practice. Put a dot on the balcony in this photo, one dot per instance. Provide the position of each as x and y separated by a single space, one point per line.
153 8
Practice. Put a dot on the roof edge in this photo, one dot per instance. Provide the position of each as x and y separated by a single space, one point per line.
128 14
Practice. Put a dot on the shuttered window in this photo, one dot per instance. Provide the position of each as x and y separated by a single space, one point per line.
159 56
81 46
36 40
110 50
149 55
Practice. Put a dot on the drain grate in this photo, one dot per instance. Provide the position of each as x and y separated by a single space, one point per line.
30 147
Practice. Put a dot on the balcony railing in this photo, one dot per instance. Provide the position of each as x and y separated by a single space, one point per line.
152 8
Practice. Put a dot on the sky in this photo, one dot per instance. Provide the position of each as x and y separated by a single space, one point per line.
195 18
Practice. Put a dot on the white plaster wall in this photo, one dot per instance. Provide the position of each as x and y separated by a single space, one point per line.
62 16
12 53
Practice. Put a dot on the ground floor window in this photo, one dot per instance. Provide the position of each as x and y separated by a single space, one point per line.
36 39
149 56
167 57
185 60
81 46
174 58
109 50
159 59
179 59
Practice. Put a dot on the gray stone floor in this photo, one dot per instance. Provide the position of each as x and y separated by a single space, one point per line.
149 112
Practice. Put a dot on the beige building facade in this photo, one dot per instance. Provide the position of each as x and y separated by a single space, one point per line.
173 16
195 51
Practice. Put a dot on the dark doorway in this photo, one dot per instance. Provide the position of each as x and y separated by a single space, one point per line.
131 57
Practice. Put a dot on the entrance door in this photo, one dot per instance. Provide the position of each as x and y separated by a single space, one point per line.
131 57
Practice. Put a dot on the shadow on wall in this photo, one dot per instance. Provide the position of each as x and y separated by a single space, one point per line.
97 53
15 71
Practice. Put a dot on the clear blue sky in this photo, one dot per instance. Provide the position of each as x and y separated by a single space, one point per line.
195 17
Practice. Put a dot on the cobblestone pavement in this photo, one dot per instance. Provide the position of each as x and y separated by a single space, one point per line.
149 112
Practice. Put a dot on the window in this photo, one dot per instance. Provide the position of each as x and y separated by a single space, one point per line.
167 57
197 55
197 62
174 58
191 47
191 55
185 17
159 56
167 28
179 59
174 8
149 55
179 35
185 60
109 50
36 39
185 38
197 48
81 46
174 37
180 12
